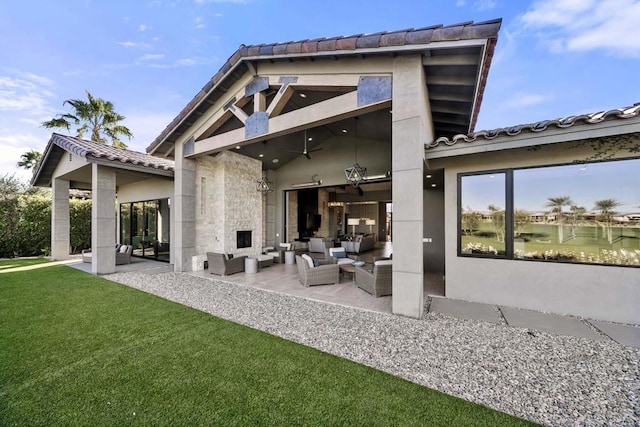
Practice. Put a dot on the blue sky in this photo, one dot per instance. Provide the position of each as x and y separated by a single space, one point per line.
554 58
583 183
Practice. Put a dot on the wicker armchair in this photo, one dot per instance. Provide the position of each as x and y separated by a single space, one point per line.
219 264
377 283
327 274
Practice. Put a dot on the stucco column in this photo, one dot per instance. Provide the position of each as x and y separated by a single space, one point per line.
410 124
60 227
183 212
103 219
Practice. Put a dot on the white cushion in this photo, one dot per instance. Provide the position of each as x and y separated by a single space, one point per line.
338 252
308 259
384 262
285 246
123 248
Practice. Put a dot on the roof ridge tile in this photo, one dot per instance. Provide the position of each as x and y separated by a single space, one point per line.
543 125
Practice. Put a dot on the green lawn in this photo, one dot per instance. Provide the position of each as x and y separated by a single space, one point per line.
79 350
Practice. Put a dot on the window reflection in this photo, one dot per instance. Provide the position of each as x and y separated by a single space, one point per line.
578 213
482 216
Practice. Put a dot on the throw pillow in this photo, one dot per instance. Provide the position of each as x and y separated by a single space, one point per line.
315 262
308 259
123 249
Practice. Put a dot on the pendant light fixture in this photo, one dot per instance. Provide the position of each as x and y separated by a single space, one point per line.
264 185
355 173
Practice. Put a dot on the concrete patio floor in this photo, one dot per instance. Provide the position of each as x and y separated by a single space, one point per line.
283 278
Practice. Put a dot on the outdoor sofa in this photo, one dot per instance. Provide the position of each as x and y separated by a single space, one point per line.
123 254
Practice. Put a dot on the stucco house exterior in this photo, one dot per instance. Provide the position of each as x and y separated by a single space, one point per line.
296 119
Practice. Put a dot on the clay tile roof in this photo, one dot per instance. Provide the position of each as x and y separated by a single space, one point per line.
88 149
541 126
407 37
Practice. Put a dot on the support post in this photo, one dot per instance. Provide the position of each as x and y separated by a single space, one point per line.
411 123
60 226
183 212
103 219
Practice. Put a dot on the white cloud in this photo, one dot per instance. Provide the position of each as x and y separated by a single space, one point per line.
485 4
478 4
131 44
585 25
143 27
199 22
15 145
25 94
151 57
218 15
186 62
521 100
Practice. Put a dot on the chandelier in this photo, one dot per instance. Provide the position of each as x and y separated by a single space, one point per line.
264 185
355 173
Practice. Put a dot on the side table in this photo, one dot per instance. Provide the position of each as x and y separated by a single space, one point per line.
290 257
250 265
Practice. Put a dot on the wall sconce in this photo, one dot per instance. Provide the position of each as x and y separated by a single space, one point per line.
335 204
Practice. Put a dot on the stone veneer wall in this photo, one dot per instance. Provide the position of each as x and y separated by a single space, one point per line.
292 232
323 209
227 201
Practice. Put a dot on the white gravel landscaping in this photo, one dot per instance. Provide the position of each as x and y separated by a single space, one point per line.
553 380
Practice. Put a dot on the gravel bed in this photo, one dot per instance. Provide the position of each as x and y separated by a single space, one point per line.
553 380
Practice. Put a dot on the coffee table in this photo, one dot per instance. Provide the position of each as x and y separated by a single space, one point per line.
348 270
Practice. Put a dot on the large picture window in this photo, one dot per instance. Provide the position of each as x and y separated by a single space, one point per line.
482 216
580 213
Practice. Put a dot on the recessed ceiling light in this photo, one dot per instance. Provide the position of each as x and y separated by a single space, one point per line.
344 131
275 160
310 138
303 95
433 185
237 147
428 176
260 155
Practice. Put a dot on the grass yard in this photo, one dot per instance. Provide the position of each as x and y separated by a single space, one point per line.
76 349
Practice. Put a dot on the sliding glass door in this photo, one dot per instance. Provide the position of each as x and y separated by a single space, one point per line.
145 226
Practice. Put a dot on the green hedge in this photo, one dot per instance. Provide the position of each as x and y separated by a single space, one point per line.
25 224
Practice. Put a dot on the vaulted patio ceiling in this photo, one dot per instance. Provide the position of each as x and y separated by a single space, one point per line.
456 60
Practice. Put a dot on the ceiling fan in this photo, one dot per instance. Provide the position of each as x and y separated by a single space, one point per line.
306 151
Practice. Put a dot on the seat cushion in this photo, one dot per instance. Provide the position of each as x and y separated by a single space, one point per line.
123 249
308 259
338 252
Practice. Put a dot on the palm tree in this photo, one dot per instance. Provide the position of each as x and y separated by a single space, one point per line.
556 204
606 208
29 160
96 116
576 213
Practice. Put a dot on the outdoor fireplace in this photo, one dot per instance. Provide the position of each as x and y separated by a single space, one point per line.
243 239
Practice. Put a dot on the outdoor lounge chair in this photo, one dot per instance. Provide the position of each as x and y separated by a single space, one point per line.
327 274
378 282
221 264
123 254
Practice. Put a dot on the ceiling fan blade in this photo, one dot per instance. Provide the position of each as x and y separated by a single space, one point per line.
315 149
307 155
